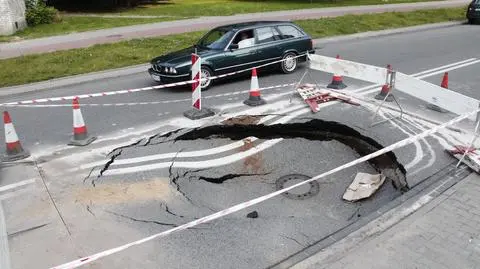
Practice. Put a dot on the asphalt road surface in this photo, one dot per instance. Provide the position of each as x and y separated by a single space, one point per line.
66 202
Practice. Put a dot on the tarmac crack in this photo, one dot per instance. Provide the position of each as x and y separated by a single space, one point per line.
220 180
115 153
148 221
315 130
292 239
169 211
141 220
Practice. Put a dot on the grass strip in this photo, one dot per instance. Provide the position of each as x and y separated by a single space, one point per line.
194 8
33 68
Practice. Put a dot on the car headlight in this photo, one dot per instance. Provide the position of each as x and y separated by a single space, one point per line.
174 70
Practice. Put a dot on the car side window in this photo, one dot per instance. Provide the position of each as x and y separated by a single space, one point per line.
288 31
244 39
265 35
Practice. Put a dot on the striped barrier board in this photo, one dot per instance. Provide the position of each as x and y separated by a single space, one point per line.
447 99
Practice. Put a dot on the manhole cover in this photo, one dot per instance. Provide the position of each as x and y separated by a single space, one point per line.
299 193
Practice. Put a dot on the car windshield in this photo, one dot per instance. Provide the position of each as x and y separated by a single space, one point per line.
216 39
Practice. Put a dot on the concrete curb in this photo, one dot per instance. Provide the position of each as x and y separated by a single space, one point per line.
129 70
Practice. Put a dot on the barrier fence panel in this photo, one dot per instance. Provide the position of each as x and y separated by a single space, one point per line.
452 101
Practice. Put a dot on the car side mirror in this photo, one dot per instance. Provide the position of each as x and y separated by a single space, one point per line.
233 46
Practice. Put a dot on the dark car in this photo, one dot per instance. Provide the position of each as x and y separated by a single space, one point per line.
473 11
236 47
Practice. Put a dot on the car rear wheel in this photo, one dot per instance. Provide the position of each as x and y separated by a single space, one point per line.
207 73
289 63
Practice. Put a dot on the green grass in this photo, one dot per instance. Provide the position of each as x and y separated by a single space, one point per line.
40 67
195 8
75 25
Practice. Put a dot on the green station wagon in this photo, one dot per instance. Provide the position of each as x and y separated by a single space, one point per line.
236 47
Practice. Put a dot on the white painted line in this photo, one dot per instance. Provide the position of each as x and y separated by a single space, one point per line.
208 163
444 66
4 250
187 154
214 162
423 74
430 74
16 185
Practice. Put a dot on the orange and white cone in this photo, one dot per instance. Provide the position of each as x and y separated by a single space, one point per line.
80 134
337 81
444 85
445 81
254 98
15 150
385 90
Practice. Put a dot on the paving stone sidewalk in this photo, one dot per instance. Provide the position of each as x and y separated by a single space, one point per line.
444 233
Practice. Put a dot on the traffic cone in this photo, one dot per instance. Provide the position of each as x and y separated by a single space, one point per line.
15 150
80 134
337 81
444 85
445 81
254 98
385 89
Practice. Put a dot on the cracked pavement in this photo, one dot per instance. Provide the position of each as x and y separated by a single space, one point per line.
149 171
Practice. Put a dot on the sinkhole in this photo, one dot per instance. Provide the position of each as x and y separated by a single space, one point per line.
314 129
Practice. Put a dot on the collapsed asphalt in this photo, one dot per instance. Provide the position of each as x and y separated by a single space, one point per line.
315 129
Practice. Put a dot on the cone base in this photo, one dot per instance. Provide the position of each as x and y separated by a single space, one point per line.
15 157
337 85
381 97
436 108
82 142
255 101
194 114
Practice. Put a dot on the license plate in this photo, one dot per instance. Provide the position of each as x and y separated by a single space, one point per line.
477 9
156 78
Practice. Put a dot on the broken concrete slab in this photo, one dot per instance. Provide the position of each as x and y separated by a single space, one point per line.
363 186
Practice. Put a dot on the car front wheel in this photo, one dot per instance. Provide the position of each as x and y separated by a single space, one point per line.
207 73
470 21
289 63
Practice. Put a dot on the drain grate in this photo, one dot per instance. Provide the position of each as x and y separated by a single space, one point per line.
281 184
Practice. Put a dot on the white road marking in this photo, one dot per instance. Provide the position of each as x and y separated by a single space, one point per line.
187 154
418 148
433 158
208 163
426 73
184 123
435 73
418 155
4 250
16 185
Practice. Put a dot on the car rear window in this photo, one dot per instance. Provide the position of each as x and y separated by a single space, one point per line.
288 31
264 35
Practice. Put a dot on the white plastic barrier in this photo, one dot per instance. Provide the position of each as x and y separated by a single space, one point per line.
452 101
346 68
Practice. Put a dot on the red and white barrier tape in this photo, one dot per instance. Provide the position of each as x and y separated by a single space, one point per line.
233 209
153 103
110 93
